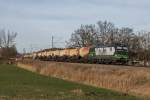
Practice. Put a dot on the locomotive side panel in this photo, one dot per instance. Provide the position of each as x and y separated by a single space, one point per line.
104 51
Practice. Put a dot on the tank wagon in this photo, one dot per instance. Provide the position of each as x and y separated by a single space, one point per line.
102 54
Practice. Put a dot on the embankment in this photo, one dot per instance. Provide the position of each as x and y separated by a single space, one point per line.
132 80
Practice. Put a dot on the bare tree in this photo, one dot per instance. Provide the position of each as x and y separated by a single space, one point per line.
7 44
84 36
144 46
7 39
105 32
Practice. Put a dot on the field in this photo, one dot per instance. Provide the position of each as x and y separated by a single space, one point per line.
127 79
19 84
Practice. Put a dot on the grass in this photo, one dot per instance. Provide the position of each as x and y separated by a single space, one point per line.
16 83
131 80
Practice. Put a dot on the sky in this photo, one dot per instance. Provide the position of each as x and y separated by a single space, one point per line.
36 21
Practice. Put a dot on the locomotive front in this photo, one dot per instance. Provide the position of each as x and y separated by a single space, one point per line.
121 53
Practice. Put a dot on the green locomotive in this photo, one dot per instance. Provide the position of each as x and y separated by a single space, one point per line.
109 54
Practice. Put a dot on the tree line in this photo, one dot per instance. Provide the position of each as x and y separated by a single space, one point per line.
7 44
106 33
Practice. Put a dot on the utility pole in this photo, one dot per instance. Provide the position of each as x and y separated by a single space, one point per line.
31 48
52 42
24 51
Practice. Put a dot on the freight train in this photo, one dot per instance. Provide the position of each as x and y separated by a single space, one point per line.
103 54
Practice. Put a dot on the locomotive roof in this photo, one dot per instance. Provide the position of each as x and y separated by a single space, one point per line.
114 45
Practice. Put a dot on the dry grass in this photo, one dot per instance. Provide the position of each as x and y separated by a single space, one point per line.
135 80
